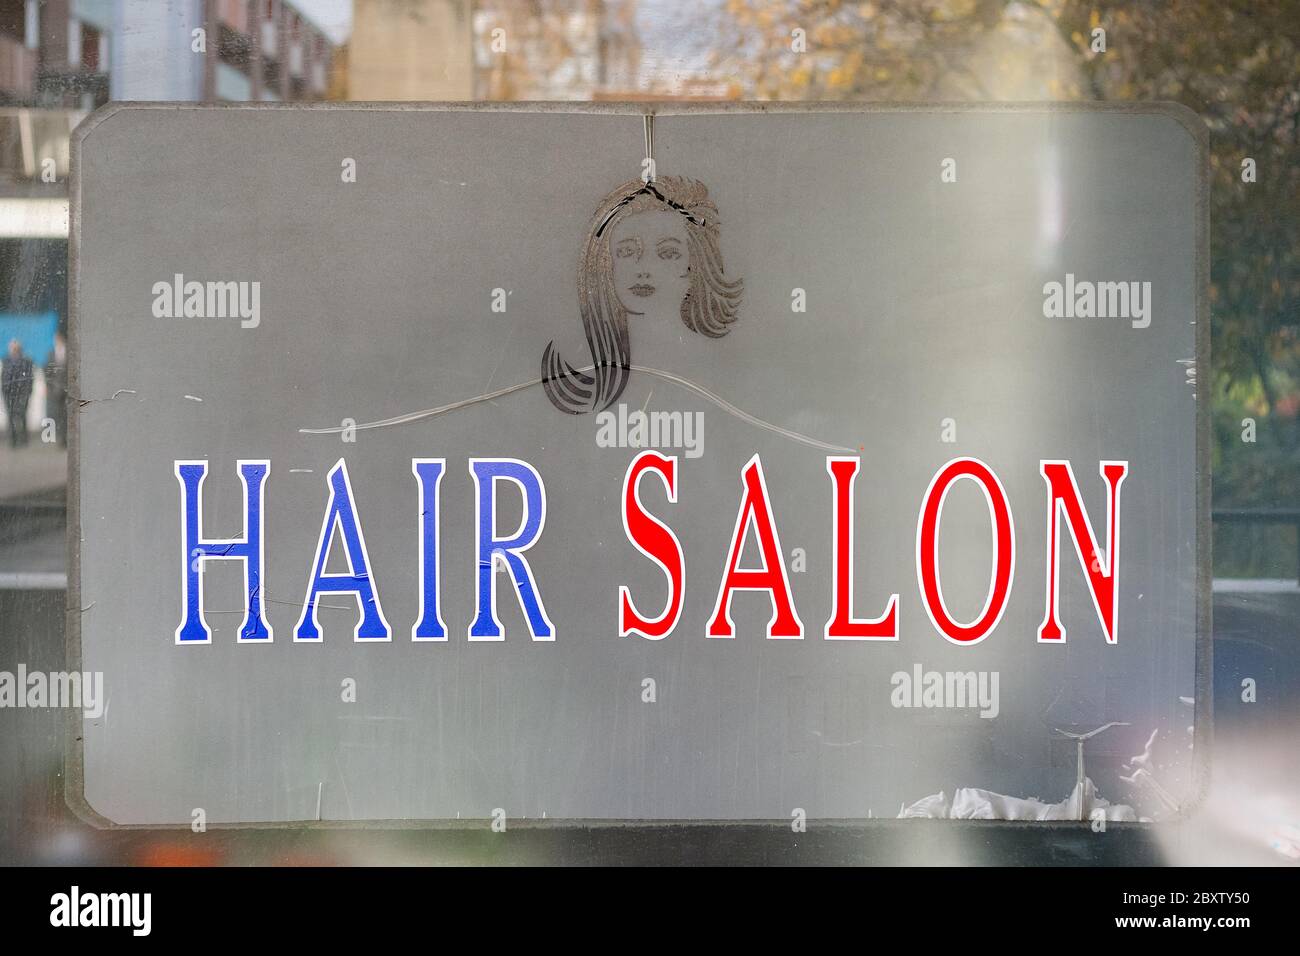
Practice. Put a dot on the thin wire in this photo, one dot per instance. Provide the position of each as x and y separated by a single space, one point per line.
649 122
509 389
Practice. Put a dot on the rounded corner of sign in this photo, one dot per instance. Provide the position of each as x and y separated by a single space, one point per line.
1187 118
74 796
95 120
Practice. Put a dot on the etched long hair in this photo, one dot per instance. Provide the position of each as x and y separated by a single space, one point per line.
710 306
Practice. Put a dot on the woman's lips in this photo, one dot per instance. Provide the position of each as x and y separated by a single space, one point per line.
642 289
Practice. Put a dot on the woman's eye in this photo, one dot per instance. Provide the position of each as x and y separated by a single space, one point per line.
669 254
624 251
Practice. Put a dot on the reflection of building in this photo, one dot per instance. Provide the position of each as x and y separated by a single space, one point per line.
246 50
54 57
55 52
78 53
410 50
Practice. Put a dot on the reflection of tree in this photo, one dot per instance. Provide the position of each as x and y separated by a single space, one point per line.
1231 61
555 49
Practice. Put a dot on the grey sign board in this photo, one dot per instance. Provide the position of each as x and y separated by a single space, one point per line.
488 315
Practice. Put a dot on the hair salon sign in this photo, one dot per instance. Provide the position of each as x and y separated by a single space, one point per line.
548 486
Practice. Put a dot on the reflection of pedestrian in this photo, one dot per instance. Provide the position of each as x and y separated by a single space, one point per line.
16 384
56 388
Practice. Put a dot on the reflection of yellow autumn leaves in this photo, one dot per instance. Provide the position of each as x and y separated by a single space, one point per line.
890 49
956 10
832 36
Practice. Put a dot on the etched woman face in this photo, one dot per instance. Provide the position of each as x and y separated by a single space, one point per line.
650 262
